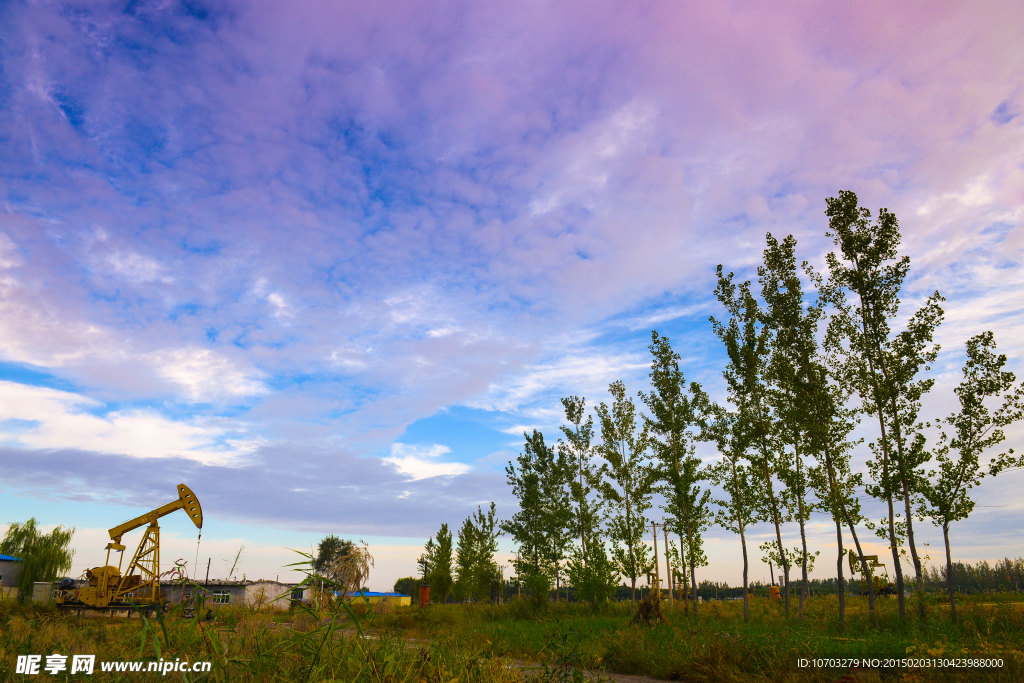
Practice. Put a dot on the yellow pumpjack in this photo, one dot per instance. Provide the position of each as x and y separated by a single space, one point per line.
140 585
883 587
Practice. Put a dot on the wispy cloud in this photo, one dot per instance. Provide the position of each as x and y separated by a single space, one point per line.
43 418
421 462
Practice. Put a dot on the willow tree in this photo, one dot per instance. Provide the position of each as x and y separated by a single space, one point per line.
44 556
748 342
628 484
881 365
676 410
974 429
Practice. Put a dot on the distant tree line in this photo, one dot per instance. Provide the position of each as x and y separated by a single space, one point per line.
810 355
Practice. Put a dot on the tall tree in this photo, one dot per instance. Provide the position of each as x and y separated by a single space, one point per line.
748 344
831 478
441 572
675 411
578 452
882 366
44 556
591 572
827 394
974 430
628 486
474 554
740 510
427 558
540 526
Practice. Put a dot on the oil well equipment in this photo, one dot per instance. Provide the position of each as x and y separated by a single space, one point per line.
139 587
883 586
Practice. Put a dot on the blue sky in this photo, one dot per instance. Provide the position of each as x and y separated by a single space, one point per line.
325 262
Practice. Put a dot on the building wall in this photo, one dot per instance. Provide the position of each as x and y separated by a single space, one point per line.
9 573
268 594
42 591
255 594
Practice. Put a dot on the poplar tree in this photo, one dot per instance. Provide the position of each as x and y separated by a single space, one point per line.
590 571
974 430
474 554
831 478
440 576
740 510
540 526
883 366
628 485
792 347
828 394
675 411
579 454
748 344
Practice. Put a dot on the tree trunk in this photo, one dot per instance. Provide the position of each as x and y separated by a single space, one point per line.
913 550
686 578
896 562
863 562
693 582
853 531
782 550
746 591
803 586
839 568
803 538
949 573
632 595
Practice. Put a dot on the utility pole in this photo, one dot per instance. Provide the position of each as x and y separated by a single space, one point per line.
668 568
657 570
519 583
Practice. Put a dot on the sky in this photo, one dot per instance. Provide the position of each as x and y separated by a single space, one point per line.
325 262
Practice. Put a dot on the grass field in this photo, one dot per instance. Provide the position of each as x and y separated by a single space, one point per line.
717 646
478 643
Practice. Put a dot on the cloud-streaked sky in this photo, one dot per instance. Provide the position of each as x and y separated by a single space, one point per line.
325 261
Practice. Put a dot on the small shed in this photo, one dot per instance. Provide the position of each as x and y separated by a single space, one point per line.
397 599
10 571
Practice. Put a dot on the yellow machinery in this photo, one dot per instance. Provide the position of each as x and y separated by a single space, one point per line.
882 586
140 585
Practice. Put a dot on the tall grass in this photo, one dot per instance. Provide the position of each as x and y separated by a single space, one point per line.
478 643
717 645
319 642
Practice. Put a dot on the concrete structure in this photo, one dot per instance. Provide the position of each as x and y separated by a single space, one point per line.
10 571
257 594
42 591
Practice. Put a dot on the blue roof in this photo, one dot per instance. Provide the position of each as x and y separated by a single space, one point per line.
11 559
371 594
